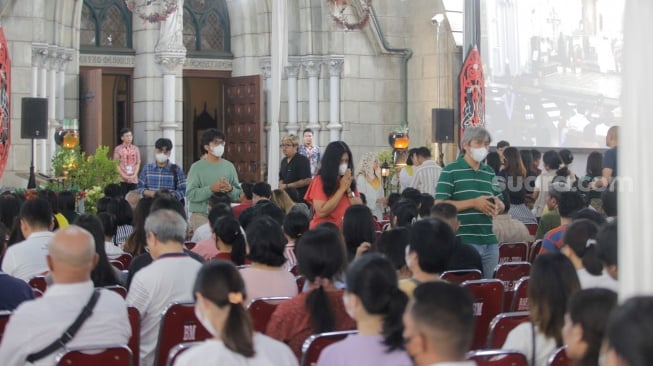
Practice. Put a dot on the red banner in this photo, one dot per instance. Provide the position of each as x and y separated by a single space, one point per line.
472 92
5 99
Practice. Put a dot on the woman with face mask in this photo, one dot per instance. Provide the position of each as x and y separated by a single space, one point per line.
220 294
333 189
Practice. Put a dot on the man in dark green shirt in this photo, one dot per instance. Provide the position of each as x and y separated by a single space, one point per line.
470 185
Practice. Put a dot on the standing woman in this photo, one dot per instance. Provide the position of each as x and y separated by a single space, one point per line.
592 174
369 182
333 189
515 175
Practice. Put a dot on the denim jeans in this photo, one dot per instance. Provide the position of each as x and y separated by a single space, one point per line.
490 257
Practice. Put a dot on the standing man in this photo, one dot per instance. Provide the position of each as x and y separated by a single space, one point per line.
470 185
162 174
208 175
129 161
310 151
295 171
426 173
609 171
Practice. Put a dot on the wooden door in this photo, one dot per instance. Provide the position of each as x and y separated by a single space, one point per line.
243 130
90 109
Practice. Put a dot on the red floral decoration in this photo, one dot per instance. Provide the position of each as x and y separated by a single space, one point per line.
338 8
167 7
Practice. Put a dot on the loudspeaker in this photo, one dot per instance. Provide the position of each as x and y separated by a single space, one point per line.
443 124
34 121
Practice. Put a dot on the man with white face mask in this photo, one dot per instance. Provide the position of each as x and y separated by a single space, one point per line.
470 185
210 174
162 174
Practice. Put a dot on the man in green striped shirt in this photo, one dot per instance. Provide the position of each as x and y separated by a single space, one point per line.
470 185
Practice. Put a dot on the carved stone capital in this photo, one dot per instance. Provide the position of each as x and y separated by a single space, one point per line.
335 66
312 67
266 68
170 62
292 70
39 54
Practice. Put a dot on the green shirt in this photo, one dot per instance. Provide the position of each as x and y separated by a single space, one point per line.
459 182
548 221
202 175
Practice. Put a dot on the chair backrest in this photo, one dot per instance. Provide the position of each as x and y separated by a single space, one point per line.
532 228
300 281
178 325
117 264
4 319
118 289
261 309
459 276
513 252
535 250
125 259
223 255
314 345
177 350
509 274
294 269
37 293
102 356
38 282
559 358
189 245
134 342
497 357
488 303
520 295
502 324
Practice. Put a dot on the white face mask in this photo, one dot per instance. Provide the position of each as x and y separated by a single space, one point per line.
345 300
408 259
161 157
479 153
342 169
206 323
217 151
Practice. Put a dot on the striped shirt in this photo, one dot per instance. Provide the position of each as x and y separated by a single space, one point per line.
426 177
459 182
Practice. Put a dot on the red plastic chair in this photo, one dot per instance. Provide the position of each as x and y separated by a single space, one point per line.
535 250
501 325
178 325
189 245
108 356
125 259
497 357
559 358
488 303
37 293
177 350
4 319
314 345
509 274
261 309
532 228
38 282
461 275
294 270
118 289
520 295
117 264
300 280
513 252
134 342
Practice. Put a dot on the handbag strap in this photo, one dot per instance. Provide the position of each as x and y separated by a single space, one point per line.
69 334
175 177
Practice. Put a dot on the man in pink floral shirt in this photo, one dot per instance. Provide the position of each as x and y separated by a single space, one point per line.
312 152
129 161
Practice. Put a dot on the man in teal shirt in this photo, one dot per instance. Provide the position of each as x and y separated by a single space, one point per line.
470 185
210 174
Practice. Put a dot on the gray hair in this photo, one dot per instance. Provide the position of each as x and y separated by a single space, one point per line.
475 133
167 225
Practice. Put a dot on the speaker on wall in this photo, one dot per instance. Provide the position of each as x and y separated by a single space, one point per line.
34 120
443 124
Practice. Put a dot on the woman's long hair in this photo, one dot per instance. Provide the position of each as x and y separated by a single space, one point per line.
220 282
135 243
357 227
373 279
103 274
580 237
514 167
228 230
330 164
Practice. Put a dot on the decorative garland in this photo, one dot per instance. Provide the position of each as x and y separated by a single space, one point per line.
167 6
340 19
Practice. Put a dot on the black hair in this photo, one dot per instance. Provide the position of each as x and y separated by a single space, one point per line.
537 155
163 142
135 243
307 130
464 257
566 156
494 161
607 242
405 211
109 226
412 194
209 135
66 201
502 143
9 210
358 226
112 190
218 211
594 164
215 281
392 244
102 204
227 229
295 225
329 170
363 198
169 203
426 202
218 197
262 189
590 214
409 159
247 189
36 212
266 242
51 197
373 279
271 210
4 238
629 331
122 210
445 308
423 152
445 211
102 275
123 131
393 198
590 309
527 159
551 159
580 236
433 240
609 202
293 193
320 254
569 203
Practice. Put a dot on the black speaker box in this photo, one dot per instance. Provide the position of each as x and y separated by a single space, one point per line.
34 121
443 124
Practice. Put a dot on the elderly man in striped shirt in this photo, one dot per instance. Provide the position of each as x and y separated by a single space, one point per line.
470 185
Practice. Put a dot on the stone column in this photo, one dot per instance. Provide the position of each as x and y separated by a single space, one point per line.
313 68
334 126
43 93
53 65
64 58
266 69
39 52
170 62
292 70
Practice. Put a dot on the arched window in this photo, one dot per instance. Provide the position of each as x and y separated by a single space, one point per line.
206 28
106 24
